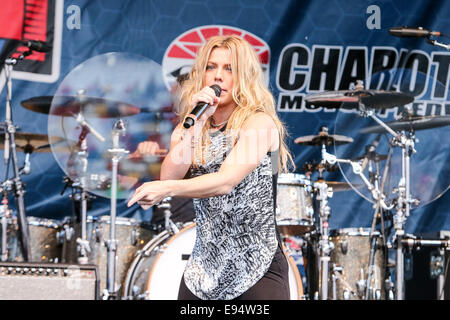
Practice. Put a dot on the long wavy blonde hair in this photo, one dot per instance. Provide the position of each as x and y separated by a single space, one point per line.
249 91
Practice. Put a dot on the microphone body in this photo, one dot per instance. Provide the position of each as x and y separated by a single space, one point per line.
38 46
409 32
199 109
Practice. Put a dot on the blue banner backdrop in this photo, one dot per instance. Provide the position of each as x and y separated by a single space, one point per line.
304 46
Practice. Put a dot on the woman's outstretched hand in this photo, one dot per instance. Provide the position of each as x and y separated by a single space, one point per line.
149 194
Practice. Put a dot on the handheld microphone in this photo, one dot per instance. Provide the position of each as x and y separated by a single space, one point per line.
410 32
38 46
200 108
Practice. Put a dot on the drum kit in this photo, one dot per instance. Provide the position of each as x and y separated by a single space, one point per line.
353 263
78 239
136 261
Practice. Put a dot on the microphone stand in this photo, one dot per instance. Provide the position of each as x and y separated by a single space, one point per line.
111 244
10 147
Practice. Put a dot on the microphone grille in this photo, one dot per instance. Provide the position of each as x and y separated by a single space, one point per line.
216 89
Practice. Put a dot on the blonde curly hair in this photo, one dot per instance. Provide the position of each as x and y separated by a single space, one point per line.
249 91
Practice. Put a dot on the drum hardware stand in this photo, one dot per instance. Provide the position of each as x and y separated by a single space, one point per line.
377 196
81 162
437 260
404 200
117 153
10 147
337 275
378 212
170 226
4 215
325 245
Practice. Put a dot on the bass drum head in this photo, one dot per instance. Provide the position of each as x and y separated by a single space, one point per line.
158 273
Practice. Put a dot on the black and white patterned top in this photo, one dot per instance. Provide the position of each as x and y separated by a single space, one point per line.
235 234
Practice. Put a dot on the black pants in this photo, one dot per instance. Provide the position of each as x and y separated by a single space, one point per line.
274 285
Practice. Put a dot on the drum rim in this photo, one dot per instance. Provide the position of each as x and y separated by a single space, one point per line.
293 179
297 276
107 219
171 239
300 222
37 221
361 231
138 259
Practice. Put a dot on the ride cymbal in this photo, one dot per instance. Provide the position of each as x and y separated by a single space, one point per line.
68 106
350 99
33 142
410 123
323 138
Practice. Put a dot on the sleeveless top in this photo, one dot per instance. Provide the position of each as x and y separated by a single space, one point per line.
236 236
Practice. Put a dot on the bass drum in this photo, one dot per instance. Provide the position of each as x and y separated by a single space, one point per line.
156 272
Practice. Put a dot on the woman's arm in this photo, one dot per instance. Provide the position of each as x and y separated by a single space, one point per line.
257 136
179 159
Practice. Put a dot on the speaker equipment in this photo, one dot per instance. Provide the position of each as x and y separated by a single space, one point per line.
427 270
45 281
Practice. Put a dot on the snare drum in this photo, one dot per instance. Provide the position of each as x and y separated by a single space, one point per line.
131 236
43 241
349 261
295 212
156 272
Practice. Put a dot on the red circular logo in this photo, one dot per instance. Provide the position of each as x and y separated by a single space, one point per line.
179 56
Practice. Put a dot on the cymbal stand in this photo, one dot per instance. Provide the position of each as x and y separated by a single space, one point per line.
10 147
325 245
378 212
111 244
79 165
4 215
377 195
404 200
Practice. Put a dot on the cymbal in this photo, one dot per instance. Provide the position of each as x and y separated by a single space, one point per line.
411 123
32 142
338 185
323 138
371 156
68 106
349 99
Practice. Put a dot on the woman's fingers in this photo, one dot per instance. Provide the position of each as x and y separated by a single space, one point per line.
137 196
206 95
149 193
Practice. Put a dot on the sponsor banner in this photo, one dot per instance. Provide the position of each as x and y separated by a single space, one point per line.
305 47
